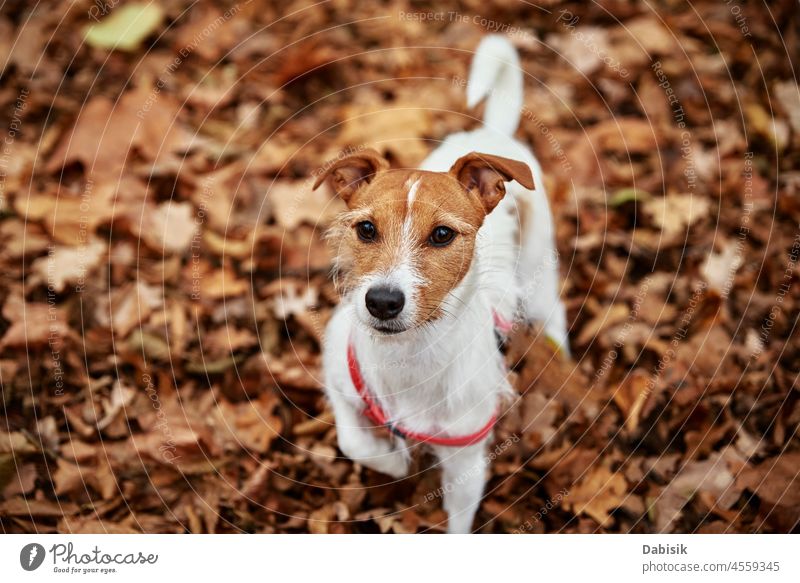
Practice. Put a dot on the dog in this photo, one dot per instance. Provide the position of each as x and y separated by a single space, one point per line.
433 263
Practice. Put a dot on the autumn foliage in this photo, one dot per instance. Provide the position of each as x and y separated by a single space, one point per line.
165 282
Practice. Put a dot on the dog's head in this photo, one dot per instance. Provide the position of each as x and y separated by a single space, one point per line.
408 238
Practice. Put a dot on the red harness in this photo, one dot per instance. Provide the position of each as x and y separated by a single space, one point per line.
374 412
502 324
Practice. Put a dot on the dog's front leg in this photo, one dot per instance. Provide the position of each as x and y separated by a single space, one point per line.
463 478
358 441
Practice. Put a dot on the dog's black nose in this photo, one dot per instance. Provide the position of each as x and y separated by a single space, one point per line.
385 303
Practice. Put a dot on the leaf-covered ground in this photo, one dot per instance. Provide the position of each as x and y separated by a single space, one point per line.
165 283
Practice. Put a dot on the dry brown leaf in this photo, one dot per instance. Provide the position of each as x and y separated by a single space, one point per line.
33 325
776 480
293 203
106 132
292 297
719 269
37 508
572 47
675 213
132 306
121 397
600 492
788 95
610 316
225 341
223 283
631 396
69 218
712 476
67 265
69 477
399 129
93 525
251 425
23 480
166 228
16 443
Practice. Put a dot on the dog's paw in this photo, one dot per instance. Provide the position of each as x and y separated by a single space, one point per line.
380 455
394 463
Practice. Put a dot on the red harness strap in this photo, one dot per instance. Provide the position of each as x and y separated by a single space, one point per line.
374 413
502 324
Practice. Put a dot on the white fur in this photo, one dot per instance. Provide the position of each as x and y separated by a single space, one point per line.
495 73
449 376
412 192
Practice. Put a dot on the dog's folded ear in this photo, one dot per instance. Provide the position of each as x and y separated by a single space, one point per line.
351 172
486 175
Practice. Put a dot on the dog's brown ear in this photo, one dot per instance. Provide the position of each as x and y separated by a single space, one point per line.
348 174
486 175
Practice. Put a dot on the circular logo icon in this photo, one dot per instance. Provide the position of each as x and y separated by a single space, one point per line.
31 556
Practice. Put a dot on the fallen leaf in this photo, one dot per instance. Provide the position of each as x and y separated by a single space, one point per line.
67 265
775 130
21 479
712 476
68 477
776 480
132 306
719 269
293 298
33 325
610 316
399 128
674 213
121 396
225 341
126 27
16 443
37 508
223 283
166 228
631 396
71 219
597 494
106 132
294 203
251 425
93 525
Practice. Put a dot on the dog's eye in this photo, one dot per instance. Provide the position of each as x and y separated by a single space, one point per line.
366 231
442 236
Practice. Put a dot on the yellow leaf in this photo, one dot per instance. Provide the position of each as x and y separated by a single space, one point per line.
126 28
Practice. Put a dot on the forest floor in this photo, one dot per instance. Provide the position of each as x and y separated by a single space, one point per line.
165 283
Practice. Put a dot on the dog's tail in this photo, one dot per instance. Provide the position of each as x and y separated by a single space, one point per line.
496 73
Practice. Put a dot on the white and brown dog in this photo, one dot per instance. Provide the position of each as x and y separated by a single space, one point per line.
433 262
